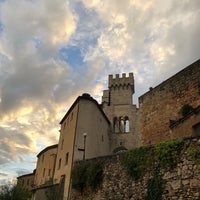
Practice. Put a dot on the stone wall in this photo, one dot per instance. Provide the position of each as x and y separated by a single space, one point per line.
163 103
182 183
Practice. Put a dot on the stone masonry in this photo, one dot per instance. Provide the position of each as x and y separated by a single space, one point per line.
163 104
182 183
117 103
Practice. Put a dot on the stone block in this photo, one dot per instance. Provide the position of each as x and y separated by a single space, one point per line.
194 183
176 184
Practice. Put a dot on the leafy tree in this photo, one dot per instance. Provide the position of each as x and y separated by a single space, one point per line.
13 192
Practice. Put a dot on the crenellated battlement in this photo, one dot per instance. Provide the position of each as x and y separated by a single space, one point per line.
124 80
120 90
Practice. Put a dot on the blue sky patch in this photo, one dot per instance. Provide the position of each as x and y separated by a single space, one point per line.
72 56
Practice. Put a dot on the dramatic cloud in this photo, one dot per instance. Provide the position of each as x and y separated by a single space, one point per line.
51 51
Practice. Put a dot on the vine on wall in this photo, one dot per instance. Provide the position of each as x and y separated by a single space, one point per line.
162 155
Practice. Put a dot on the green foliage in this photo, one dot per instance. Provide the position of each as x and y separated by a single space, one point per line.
87 174
194 154
52 192
186 109
155 186
168 152
136 160
79 176
13 192
94 174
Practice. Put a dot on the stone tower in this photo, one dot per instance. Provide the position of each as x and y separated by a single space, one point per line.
117 103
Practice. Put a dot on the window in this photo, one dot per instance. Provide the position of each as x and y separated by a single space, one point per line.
59 163
43 172
66 158
196 129
126 124
116 125
49 174
27 181
121 124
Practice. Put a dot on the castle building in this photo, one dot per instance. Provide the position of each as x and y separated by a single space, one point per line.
89 129
117 103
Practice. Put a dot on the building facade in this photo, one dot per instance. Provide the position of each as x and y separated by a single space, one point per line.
26 181
84 134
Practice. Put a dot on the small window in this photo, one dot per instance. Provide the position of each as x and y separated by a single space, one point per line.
102 139
196 129
126 124
66 158
43 172
27 181
49 174
116 125
121 124
59 164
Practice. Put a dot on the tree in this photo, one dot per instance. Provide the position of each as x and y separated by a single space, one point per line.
13 192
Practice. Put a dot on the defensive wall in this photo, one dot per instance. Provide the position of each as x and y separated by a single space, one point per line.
182 182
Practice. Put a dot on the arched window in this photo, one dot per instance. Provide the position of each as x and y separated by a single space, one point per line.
116 125
121 124
126 124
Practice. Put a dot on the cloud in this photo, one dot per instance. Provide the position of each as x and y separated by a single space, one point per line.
13 143
32 75
22 171
151 38
146 37
3 174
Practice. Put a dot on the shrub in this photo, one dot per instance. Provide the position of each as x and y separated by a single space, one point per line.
168 152
155 186
87 174
135 161
13 192
94 174
79 176
194 154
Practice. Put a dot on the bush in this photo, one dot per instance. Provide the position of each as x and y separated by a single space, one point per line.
168 152
194 154
155 186
14 192
87 174
79 176
94 174
136 160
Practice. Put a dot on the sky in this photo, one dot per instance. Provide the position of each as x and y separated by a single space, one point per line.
52 51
